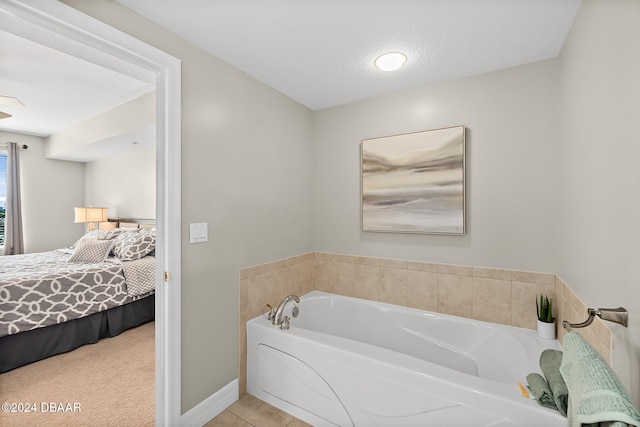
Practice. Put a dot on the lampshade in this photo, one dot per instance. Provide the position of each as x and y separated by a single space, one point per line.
90 214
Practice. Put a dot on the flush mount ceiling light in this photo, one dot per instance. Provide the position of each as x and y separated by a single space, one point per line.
390 61
9 100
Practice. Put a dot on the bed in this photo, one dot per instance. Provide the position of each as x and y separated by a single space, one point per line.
53 302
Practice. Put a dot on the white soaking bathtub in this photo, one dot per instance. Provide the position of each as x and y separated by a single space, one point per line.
352 362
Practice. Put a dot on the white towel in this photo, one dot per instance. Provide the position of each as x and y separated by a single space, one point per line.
595 392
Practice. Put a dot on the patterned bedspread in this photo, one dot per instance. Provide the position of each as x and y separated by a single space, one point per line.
43 289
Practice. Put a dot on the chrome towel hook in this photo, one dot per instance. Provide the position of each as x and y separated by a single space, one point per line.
617 315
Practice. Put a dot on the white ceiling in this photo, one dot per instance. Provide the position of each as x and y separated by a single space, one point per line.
318 52
321 52
57 89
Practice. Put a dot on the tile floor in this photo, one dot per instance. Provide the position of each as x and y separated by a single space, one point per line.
250 411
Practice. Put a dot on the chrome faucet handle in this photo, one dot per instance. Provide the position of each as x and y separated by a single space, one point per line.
272 312
285 323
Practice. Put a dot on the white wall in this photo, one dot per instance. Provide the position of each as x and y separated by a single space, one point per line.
599 191
512 135
125 183
50 189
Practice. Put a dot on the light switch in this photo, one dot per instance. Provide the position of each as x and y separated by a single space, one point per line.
198 232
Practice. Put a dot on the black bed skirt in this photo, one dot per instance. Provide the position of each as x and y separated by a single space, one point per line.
37 344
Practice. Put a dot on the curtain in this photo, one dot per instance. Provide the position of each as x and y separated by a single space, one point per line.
13 242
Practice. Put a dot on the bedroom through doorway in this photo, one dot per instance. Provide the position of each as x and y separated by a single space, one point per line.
57 26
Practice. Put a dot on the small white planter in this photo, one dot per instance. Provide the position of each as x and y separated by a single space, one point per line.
547 330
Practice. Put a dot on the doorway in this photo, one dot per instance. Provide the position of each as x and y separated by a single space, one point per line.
56 25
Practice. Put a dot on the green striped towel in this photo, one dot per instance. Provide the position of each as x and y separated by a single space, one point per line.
595 392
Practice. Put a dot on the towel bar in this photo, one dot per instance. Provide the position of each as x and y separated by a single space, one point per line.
617 315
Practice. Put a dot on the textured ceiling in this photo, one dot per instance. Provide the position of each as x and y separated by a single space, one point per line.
321 52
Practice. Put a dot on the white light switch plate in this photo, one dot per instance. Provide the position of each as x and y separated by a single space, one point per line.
198 232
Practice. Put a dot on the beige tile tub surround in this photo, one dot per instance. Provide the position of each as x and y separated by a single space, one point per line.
269 284
493 295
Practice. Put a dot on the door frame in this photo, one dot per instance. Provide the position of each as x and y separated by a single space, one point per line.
64 28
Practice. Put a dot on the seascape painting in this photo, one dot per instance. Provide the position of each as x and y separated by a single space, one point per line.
414 183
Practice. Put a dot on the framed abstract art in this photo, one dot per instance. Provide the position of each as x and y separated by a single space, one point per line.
415 182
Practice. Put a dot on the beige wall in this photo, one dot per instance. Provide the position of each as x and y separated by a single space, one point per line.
248 171
50 189
125 183
246 157
599 178
511 143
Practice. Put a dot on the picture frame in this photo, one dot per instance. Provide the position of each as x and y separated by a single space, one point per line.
414 182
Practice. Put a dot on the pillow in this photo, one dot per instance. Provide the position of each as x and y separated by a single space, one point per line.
89 235
102 235
91 251
134 246
114 233
124 235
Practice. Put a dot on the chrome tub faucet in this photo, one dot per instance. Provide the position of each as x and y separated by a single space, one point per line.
278 315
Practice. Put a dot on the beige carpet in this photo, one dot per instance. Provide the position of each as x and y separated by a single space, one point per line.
110 383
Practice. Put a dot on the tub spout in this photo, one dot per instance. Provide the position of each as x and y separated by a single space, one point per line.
277 319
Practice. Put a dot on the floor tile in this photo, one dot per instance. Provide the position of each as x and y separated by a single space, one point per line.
227 419
259 413
298 423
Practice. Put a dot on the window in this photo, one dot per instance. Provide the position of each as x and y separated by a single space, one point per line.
3 192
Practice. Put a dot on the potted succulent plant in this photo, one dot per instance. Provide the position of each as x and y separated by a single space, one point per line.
546 321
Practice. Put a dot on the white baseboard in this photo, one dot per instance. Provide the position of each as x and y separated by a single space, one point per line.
204 411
